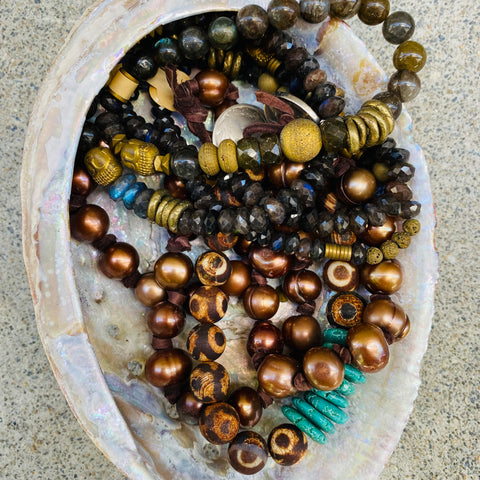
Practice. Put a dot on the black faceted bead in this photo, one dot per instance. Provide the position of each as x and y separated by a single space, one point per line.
325 163
309 220
275 210
90 137
304 191
140 204
184 163
113 104
206 201
239 184
321 93
251 236
142 131
185 223
110 132
331 107
341 222
394 155
289 200
410 209
253 194
401 172
277 243
226 221
210 222
375 217
358 221
325 224
264 238
359 254
224 180
310 64
141 66
292 241
258 219
93 109
167 141
389 205
167 52
106 119
197 226
197 189
162 123
242 227
159 112
132 124
315 178
318 250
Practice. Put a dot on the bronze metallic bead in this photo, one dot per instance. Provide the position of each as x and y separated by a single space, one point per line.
387 315
206 342
168 367
302 286
213 268
275 375
385 277
148 291
368 347
261 302
248 453
220 242
323 368
209 382
208 304
344 310
219 423
375 236
89 223
189 408
269 263
283 174
239 279
264 338
357 185
287 444
173 270
213 87
166 320
248 405
405 331
82 182
118 261
175 186
340 276
302 332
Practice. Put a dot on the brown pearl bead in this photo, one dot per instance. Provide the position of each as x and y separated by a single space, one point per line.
340 276
368 347
118 261
166 320
219 423
261 302
248 405
168 367
239 279
209 382
284 174
375 236
173 270
265 338
208 304
248 453
323 368
221 242
357 185
242 246
89 223
287 444
189 408
175 186
213 268
387 315
385 277
302 286
275 375
302 332
212 87
206 342
148 291
269 263
82 182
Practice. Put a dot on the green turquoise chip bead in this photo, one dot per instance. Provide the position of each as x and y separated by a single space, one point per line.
346 388
354 375
328 409
312 414
333 397
336 335
304 425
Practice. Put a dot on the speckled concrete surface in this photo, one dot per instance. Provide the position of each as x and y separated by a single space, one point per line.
39 437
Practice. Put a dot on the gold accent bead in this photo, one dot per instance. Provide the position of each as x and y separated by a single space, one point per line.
167 210
338 252
155 200
139 156
122 85
382 123
227 156
301 140
236 66
267 83
362 129
374 256
373 134
118 141
273 65
389 250
162 164
175 215
102 165
412 226
163 203
208 160
353 139
402 239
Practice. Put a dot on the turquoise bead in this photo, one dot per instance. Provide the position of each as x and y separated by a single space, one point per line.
117 190
333 397
346 388
336 335
131 194
354 375
313 415
304 425
327 408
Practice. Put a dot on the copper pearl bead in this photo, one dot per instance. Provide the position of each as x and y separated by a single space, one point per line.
269 263
118 261
265 338
275 375
284 174
89 223
82 182
189 408
213 87
261 302
323 368
389 316
213 268
148 291
173 270
239 279
375 236
168 367
302 332
248 405
357 185
368 347
166 320
302 286
385 278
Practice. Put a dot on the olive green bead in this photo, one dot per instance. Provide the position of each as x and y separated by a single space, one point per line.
222 33
334 134
398 27
283 14
405 84
391 101
374 256
411 226
314 11
389 250
410 55
344 8
402 239
270 150
248 154
374 12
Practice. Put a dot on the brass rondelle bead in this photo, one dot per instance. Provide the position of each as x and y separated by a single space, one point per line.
118 261
302 332
302 286
287 444
375 236
206 342
387 315
208 304
323 368
189 408
261 302
265 338
239 279
168 367
368 347
148 291
212 87
275 375
173 270
340 276
269 263
385 277
209 382
82 182
219 423
166 320
248 405
213 268
357 185
89 223
248 453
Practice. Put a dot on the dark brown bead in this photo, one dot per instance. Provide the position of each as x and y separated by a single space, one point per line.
405 84
208 304
295 58
82 182
387 315
118 261
189 408
401 191
206 342
375 236
275 375
248 453
385 277
168 367
374 12
213 268
287 444
368 347
340 276
209 382
344 8
148 291
166 320
213 87
269 263
391 101
248 405
175 186
219 423
261 302
344 310
283 14
302 332
239 279
173 270
252 22
89 223
265 338
314 11
323 368
221 242
314 79
302 286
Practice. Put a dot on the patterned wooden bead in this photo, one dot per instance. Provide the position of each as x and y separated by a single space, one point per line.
206 342
213 268
287 444
219 423
208 304
209 382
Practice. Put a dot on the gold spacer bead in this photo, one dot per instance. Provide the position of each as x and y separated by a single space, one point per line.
237 65
155 200
162 164
167 210
382 123
384 110
227 63
122 85
273 65
163 203
102 165
338 252
175 214
373 134
353 136
227 156
208 159
212 59
374 256
362 129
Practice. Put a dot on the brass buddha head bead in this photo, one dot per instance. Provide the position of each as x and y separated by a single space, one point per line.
102 165
139 156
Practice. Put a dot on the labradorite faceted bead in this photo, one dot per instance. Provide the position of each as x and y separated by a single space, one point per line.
410 209
309 220
325 224
275 210
321 93
283 14
270 149
222 33
331 107
398 27
401 172
374 215
334 134
358 221
167 52
185 223
374 12
277 243
292 241
226 221
264 238
391 101
359 254
405 84
410 55
395 155
141 66
197 226
318 249
210 222
252 22
304 192
184 163
248 154
344 8
341 222
242 226
253 194
140 204
315 178
314 11
193 42
258 219
238 184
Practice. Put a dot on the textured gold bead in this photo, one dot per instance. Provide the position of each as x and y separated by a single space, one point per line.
301 140
236 66
362 129
122 85
260 56
102 165
338 252
174 217
374 256
389 250
402 239
273 65
155 200
384 110
208 160
168 210
162 164
380 119
353 138
267 83
139 156
161 207
227 156
373 133
412 226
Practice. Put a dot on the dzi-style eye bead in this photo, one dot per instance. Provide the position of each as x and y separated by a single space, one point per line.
248 453
287 444
206 342
208 304
219 423
213 268
209 382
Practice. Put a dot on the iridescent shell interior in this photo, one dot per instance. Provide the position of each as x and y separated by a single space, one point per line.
92 328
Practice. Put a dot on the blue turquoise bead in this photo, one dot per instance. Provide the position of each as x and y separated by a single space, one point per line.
140 204
328 345
117 190
346 388
304 425
354 375
333 397
336 335
131 194
310 413
328 409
